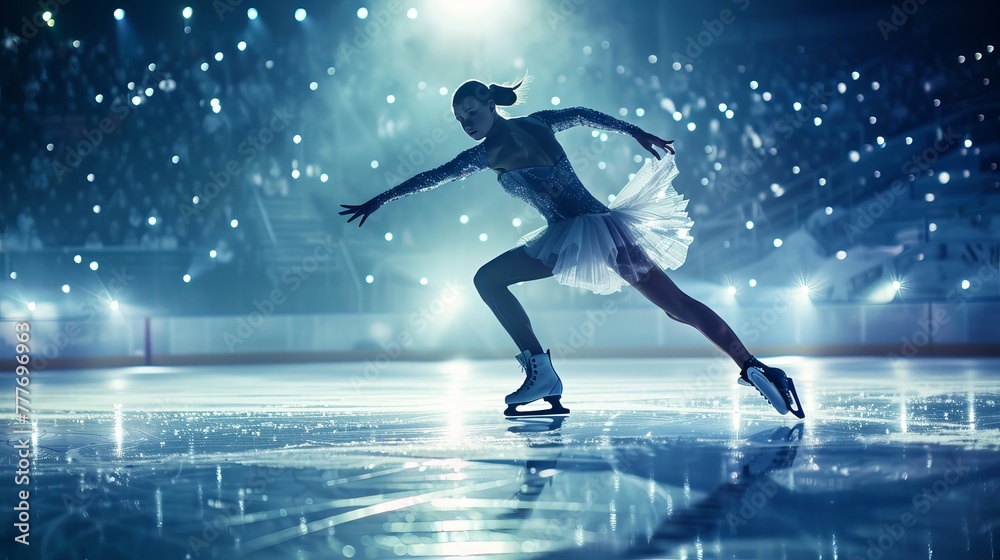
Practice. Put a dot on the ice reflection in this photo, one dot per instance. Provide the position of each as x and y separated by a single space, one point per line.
458 372
159 511
971 397
661 482
902 414
119 431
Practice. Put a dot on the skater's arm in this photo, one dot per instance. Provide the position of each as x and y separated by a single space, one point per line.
466 163
561 119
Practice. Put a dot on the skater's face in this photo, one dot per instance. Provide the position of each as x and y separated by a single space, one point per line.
475 117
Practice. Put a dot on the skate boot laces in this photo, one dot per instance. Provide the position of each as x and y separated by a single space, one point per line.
530 368
529 379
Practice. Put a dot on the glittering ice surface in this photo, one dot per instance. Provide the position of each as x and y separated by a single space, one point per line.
659 459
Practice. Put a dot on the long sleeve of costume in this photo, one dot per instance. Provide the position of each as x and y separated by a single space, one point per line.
561 119
466 163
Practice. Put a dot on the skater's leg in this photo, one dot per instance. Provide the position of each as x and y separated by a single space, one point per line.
492 281
772 383
661 290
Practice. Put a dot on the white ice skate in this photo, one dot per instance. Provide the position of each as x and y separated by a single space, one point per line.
540 382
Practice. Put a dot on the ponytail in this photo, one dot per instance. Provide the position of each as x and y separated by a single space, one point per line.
504 95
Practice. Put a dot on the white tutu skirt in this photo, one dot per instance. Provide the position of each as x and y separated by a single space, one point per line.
647 226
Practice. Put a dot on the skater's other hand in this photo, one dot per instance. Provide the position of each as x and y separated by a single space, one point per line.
647 140
362 210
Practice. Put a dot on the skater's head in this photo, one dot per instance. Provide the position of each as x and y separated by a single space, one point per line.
475 105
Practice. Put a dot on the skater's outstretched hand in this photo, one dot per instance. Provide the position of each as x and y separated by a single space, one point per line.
362 210
647 140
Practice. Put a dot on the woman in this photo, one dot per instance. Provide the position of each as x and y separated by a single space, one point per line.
585 243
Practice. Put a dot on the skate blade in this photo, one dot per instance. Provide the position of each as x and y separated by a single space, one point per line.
794 406
555 409
535 424
768 390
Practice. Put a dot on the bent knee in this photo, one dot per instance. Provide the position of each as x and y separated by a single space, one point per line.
483 280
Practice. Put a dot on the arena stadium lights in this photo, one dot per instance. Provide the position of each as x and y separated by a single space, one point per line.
119 14
252 14
804 291
300 14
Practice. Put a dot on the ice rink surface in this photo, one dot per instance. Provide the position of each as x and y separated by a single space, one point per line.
659 459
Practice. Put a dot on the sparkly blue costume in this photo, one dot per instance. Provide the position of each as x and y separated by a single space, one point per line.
585 243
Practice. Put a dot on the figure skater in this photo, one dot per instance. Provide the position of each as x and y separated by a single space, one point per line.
585 243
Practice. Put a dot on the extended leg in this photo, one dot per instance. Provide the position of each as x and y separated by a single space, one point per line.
661 290
772 383
492 281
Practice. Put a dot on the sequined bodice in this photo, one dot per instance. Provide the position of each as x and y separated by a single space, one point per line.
556 192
